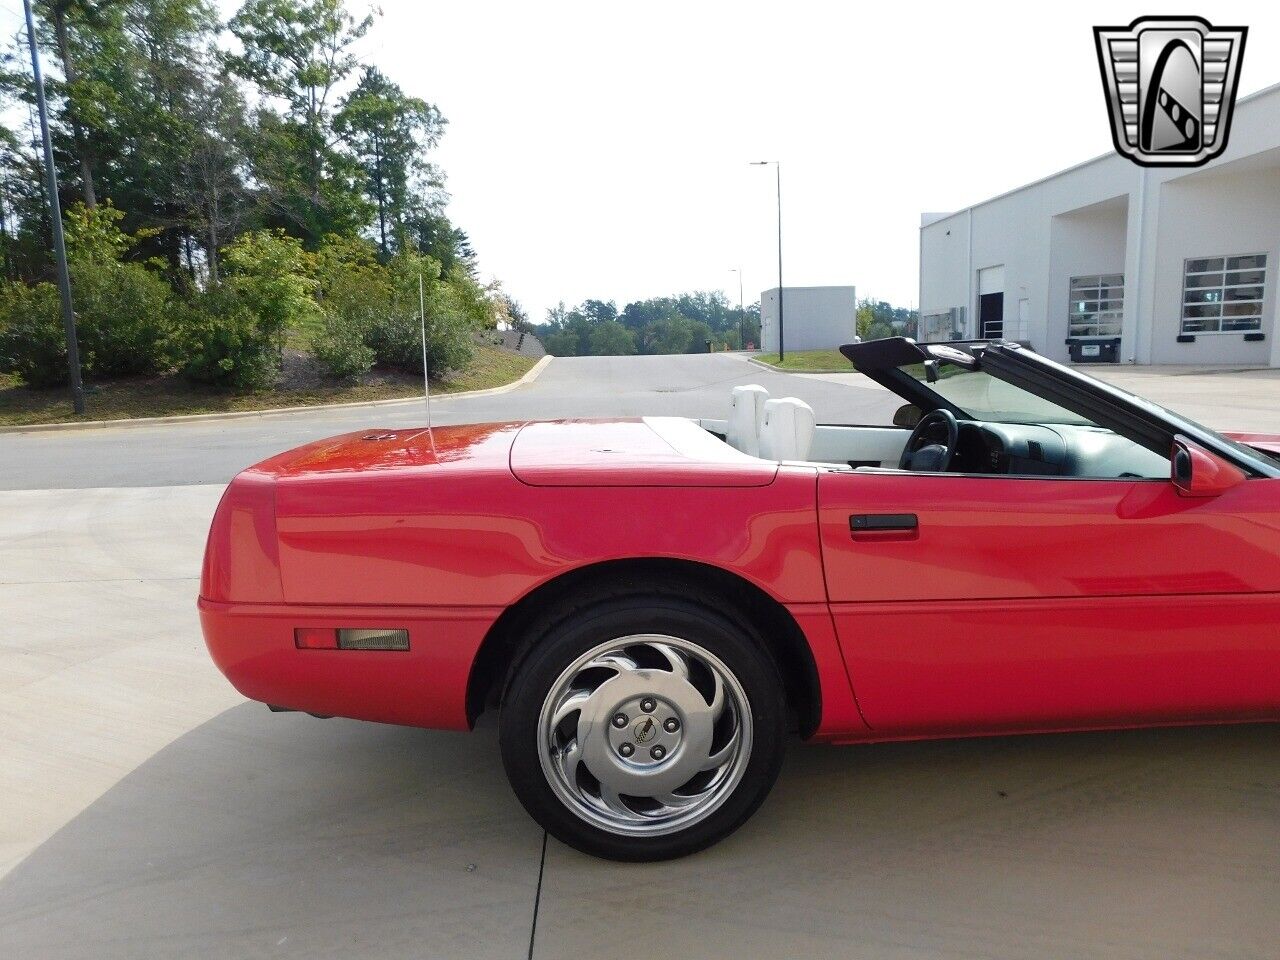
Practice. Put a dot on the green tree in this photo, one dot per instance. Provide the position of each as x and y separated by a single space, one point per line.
210 186
297 52
516 316
389 134
234 333
877 319
610 338
123 310
354 291
59 13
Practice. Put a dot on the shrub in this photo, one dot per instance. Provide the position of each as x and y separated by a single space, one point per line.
96 235
354 290
124 324
225 343
340 346
455 308
32 342
124 316
269 270
233 334
123 310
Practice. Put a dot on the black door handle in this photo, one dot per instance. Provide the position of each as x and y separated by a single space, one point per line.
861 522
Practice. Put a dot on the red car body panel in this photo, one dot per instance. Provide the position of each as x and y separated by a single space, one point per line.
1263 441
253 645
433 529
1016 604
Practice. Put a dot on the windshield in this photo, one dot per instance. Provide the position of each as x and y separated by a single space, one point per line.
984 397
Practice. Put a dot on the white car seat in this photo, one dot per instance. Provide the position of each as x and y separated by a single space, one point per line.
788 429
746 416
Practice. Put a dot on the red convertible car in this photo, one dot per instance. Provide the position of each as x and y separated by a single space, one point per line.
652 604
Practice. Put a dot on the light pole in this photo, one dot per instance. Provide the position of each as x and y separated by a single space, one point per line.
777 164
55 221
742 312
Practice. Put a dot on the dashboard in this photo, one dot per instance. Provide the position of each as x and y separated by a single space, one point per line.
1061 450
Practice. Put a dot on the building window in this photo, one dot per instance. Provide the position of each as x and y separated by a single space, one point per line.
1224 294
1097 306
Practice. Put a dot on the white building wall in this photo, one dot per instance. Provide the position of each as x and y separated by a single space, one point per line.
944 246
1015 230
1214 216
1081 243
814 318
1110 216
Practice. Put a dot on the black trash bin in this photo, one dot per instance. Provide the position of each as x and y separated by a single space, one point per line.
1095 350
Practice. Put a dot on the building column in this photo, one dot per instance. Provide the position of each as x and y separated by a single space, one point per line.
1141 232
1275 323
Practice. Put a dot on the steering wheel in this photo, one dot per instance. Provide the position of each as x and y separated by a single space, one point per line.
924 452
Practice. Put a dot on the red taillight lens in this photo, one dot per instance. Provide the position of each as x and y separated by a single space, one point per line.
315 638
351 638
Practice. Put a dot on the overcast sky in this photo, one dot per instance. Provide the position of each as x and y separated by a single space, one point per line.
600 149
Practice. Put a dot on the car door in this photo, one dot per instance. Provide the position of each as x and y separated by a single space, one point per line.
968 604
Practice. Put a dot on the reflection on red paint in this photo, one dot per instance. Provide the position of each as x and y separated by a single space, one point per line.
1015 605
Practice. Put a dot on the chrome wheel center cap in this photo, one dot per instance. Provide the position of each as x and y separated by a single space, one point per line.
644 749
644 757
645 730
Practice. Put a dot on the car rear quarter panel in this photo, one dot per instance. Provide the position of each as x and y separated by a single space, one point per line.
444 550
485 538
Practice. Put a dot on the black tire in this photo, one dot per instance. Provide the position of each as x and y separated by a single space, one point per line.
563 637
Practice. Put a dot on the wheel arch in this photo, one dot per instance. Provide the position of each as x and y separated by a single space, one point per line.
507 641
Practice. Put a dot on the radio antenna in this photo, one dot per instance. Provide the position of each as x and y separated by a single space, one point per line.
422 315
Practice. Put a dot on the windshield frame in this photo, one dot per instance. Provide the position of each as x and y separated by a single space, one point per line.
1112 408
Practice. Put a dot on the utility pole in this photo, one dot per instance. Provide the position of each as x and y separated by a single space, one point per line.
422 316
777 164
742 311
55 221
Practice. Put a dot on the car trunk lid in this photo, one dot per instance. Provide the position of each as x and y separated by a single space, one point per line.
378 449
637 452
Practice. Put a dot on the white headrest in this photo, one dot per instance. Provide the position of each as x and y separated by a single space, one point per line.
788 428
746 415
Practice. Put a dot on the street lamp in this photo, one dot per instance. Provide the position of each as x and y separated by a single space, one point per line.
777 164
55 222
742 312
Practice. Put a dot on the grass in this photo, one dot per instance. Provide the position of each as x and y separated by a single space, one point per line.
813 360
171 396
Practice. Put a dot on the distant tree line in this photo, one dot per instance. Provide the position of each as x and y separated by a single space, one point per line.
677 324
877 319
249 178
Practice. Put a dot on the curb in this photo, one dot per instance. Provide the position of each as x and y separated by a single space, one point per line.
772 368
529 377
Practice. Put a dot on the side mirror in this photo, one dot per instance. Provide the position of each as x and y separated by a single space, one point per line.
907 416
1199 473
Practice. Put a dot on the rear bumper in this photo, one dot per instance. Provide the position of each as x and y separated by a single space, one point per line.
425 686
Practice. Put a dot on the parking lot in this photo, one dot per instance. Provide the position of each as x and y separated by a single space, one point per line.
147 810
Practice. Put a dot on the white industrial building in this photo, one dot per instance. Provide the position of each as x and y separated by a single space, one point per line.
1109 261
814 318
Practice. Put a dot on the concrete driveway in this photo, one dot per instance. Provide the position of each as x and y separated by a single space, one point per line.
146 810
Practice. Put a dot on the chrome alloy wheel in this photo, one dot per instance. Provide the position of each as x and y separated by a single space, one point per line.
645 735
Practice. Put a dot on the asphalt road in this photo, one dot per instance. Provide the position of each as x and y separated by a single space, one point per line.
213 451
148 811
